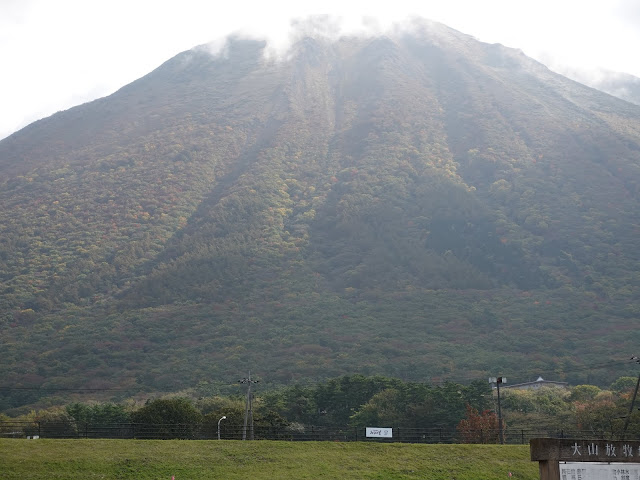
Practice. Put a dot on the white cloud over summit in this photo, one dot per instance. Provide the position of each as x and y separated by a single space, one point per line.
58 54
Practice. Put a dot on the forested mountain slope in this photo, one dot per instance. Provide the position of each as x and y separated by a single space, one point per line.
420 205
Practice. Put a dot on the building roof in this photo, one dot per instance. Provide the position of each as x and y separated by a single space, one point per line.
540 382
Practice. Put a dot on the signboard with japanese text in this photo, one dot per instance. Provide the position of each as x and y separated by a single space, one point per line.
585 450
375 432
599 471
567 459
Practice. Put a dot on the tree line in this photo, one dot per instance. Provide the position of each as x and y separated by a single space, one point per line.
358 401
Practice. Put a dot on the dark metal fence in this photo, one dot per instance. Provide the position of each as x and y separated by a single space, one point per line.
296 432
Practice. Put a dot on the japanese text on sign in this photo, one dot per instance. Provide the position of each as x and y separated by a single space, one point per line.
599 471
379 432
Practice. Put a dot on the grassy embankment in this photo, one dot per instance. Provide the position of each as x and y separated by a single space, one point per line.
150 459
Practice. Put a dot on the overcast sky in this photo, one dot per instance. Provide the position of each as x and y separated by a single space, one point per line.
57 54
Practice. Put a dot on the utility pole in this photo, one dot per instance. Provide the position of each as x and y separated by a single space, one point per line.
248 409
633 401
498 381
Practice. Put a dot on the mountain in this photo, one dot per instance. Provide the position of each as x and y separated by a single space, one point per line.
420 205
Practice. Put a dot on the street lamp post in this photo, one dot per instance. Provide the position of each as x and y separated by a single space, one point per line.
223 417
498 381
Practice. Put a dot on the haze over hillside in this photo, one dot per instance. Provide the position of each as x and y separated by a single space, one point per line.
419 205
621 85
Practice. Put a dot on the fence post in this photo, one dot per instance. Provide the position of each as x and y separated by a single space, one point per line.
39 431
356 430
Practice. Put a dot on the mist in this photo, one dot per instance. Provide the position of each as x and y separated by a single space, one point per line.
58 54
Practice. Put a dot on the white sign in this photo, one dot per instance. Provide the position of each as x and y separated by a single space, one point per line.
599 471
380 432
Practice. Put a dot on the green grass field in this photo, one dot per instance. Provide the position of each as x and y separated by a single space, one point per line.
162 459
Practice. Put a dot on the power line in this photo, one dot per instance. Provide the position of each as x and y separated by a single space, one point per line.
92 389
443 380
68 389
461 378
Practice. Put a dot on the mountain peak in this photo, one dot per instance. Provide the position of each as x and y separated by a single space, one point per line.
372 204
